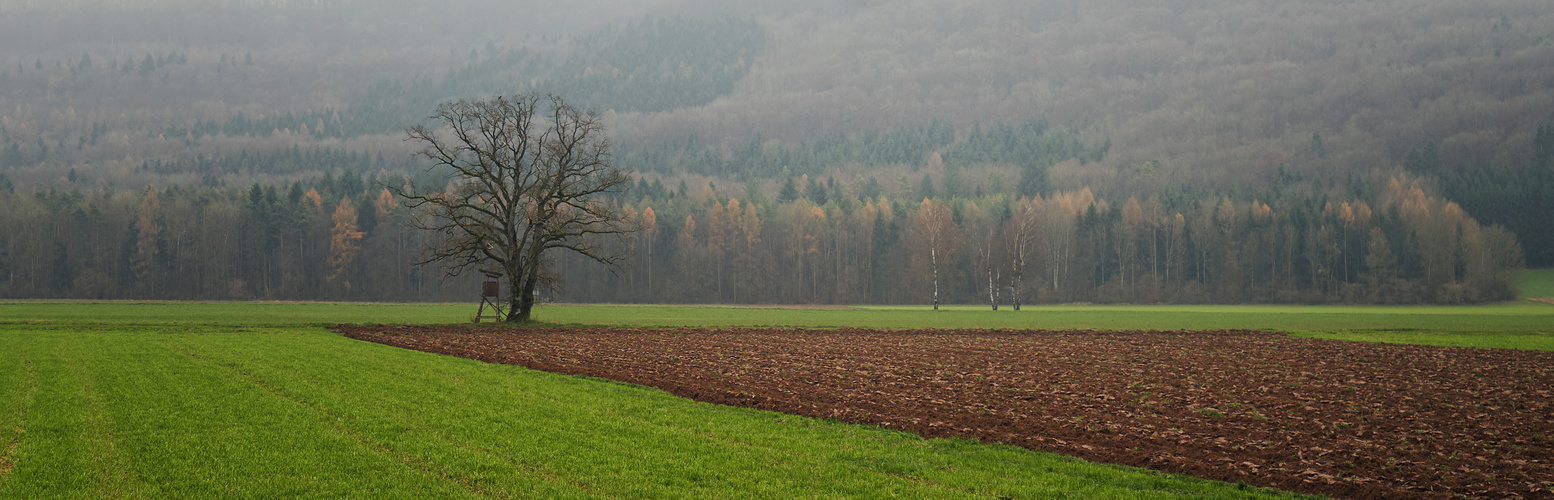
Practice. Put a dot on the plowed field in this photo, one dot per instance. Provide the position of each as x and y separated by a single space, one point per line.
1347 419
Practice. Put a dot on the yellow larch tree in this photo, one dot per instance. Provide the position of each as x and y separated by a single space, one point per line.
344 242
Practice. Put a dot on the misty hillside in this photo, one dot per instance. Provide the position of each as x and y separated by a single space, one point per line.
1216 91
1211 92
1295 103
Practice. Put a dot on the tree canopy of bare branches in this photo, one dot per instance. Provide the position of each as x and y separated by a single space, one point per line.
531 174
934 227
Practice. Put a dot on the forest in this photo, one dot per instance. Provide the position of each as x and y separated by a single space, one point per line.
338 239
1388 151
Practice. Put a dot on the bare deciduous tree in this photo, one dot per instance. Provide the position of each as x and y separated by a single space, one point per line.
1021 233
933 226
531 174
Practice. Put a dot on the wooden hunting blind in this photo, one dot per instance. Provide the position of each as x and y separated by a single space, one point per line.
490 295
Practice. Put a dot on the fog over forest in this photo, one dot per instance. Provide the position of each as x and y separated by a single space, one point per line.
1369 151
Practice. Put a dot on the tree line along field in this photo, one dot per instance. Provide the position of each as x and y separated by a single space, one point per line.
250 399
829 242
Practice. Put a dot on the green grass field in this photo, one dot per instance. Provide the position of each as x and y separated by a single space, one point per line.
1536 283
198 400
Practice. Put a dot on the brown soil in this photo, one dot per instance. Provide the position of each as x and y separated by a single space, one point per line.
1347 419
1545 300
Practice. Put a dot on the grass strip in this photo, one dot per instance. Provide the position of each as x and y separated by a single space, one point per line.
18 387
1525 325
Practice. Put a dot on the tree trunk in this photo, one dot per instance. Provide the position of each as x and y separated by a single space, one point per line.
992 290
933 258
1344 250
1154 257
529 267
1019 279
512 298
523 301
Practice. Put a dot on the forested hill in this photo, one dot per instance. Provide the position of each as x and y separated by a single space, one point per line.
1212 93
1296 105
1199 95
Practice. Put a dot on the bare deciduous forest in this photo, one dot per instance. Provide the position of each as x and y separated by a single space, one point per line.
1378 151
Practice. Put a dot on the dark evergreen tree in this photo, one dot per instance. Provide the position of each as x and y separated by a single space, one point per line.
789 192
954 184
1033 181
816 192
871 189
